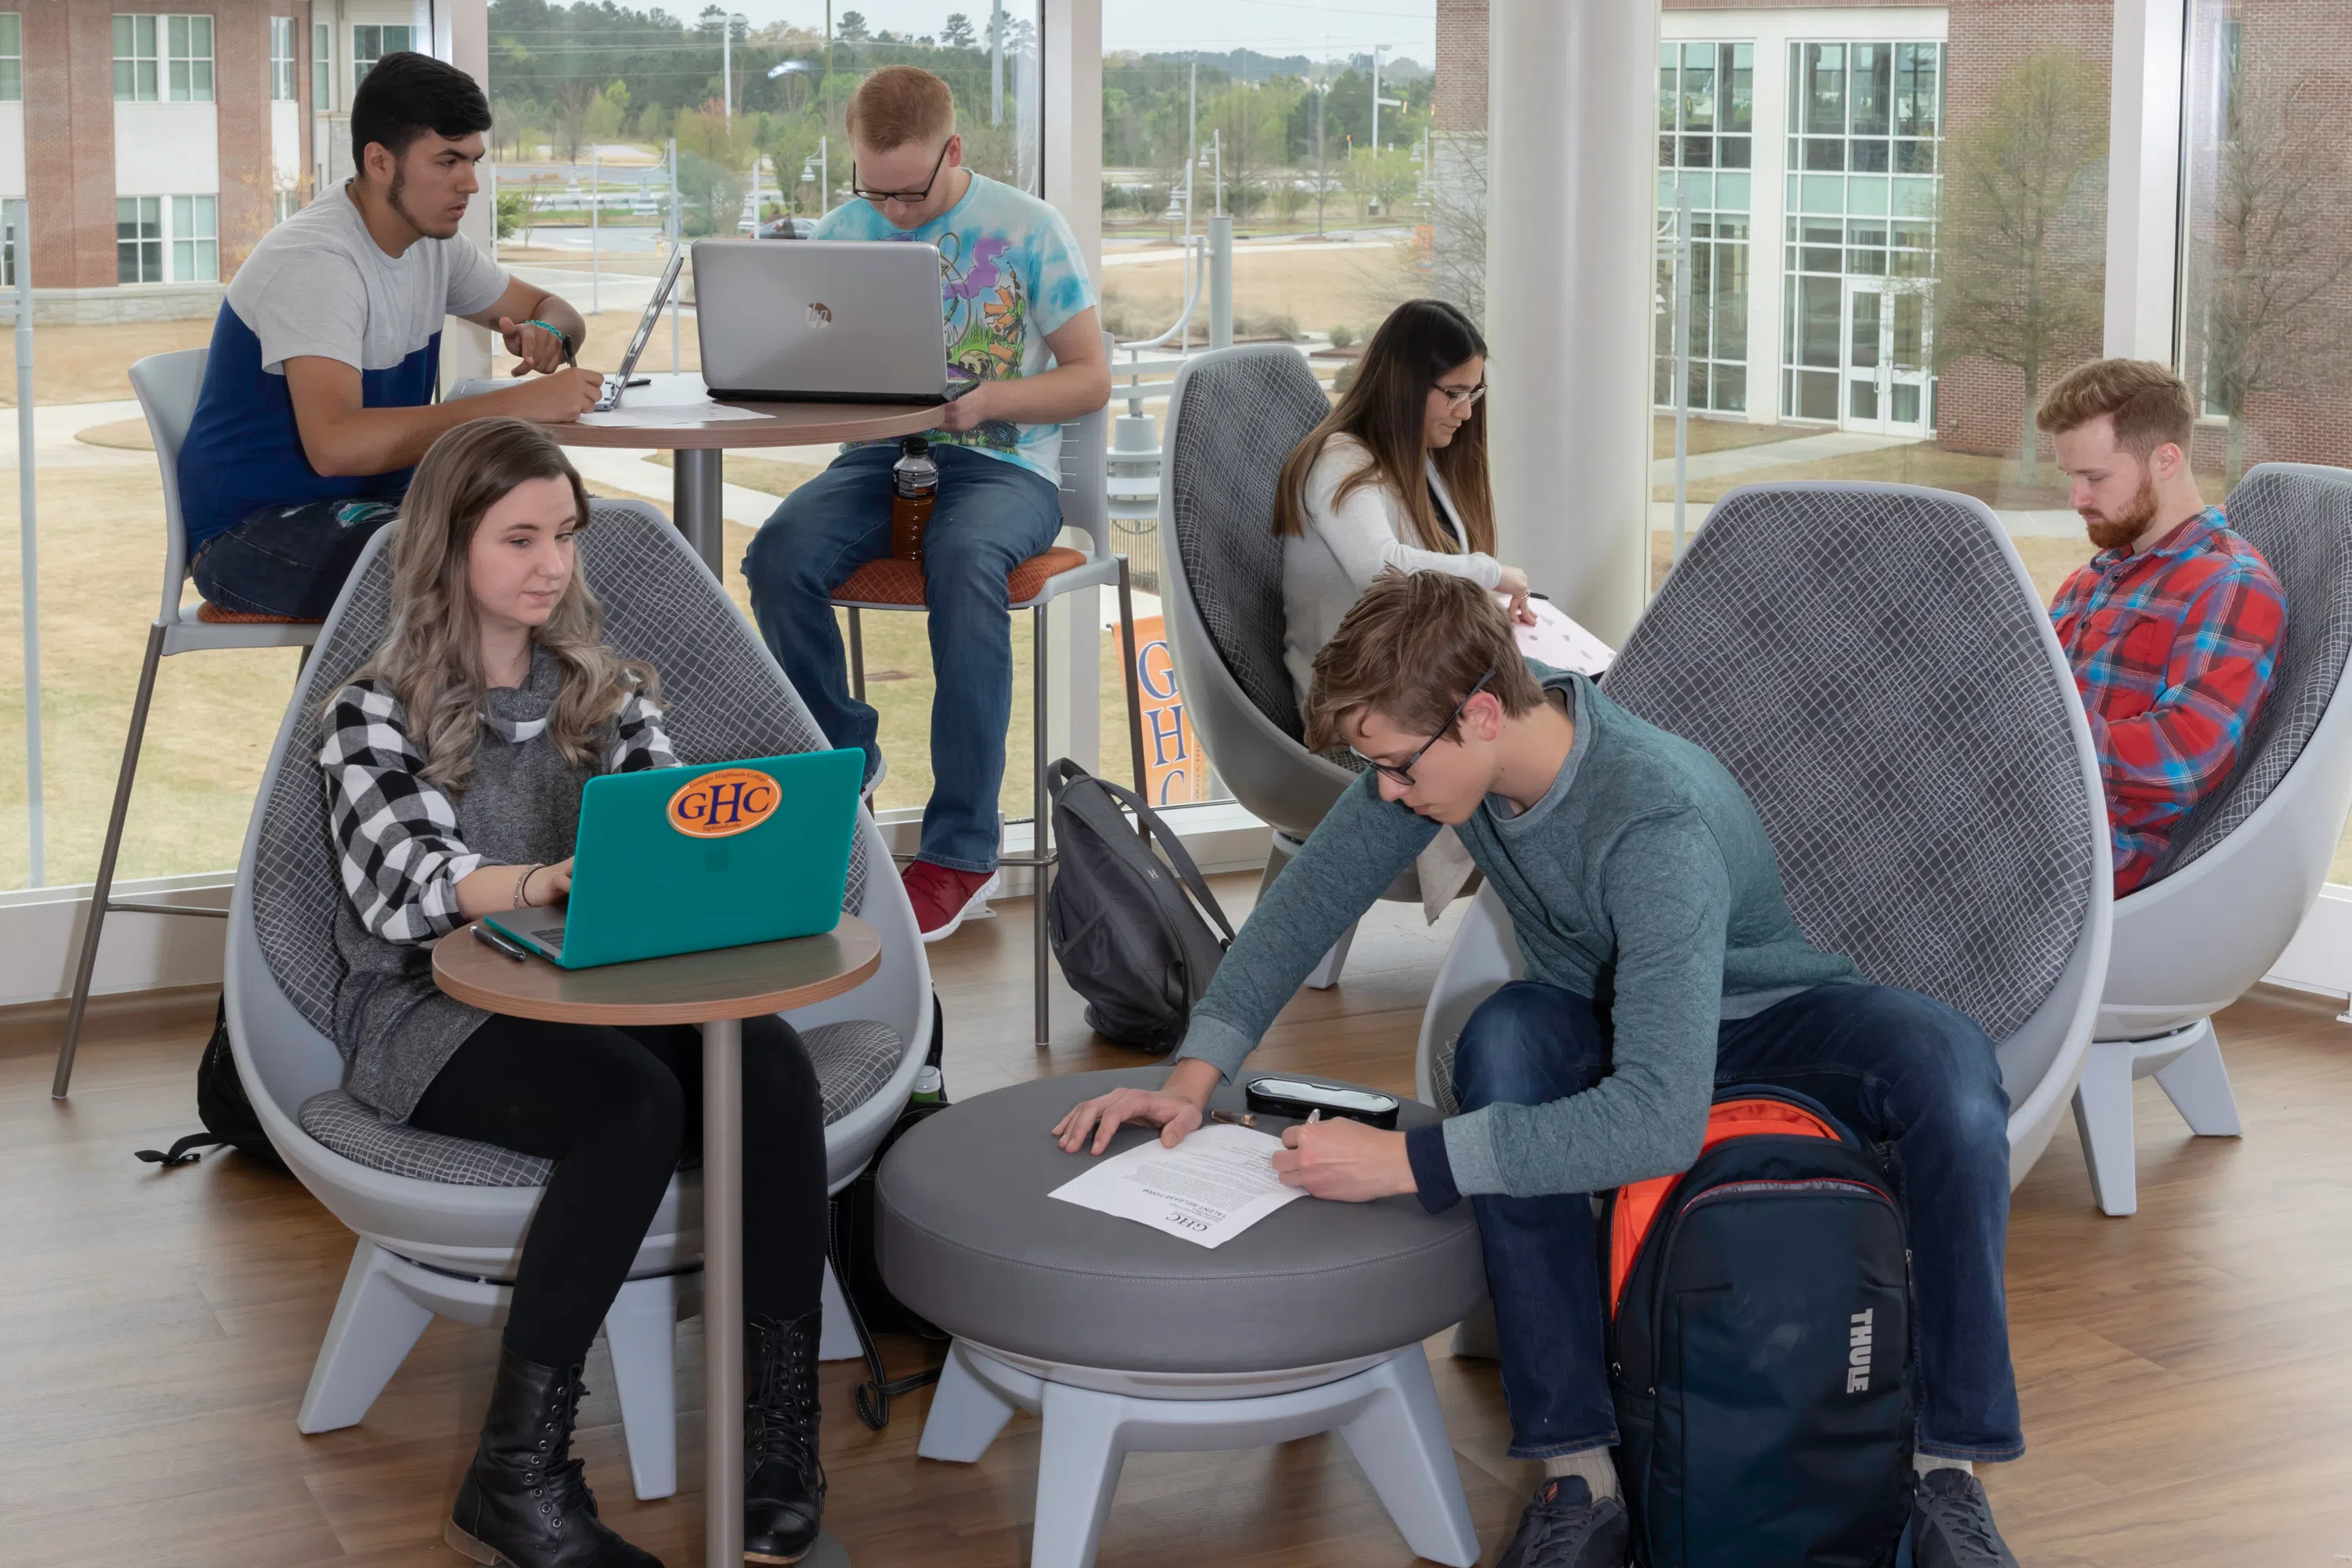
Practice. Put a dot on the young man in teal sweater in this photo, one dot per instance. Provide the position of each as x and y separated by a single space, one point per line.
1662 962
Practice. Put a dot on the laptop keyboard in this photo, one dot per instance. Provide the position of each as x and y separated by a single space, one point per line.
548 933
610 398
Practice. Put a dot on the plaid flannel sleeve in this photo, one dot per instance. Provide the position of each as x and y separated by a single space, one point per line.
2223 658
639 741
396 835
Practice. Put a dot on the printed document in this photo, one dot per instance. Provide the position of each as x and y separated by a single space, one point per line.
1559 641
1208 1189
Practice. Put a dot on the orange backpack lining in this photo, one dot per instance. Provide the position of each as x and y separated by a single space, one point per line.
1638 1202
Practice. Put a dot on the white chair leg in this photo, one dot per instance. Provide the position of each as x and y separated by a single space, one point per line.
641 1328
966 1414
1399 1440
1327 972
2103 1113
837 1339
2199 1087
1078 1470
375 1327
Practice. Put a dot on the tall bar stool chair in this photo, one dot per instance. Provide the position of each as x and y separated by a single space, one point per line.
167 386
1036 584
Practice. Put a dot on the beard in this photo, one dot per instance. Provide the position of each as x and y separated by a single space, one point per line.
2113 531
394 199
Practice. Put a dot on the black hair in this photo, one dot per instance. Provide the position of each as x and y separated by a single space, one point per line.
404 95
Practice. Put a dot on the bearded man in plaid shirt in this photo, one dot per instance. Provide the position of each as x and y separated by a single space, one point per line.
2173 628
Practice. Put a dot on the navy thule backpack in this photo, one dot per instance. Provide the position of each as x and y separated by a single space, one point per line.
1760 1347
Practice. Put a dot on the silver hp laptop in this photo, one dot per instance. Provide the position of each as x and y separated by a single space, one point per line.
618 381
827 320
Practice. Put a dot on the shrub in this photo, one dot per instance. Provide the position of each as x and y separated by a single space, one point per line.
1343 337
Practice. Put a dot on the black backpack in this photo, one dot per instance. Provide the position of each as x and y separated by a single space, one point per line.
1760 1347
1128 940
222 1107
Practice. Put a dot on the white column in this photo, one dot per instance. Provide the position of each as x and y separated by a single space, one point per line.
1571 182
1073 168
1768 222
460 34
2144 140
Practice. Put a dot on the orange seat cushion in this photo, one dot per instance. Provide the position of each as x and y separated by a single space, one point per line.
214 614
891 581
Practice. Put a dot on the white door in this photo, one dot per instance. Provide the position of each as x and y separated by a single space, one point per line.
1885 379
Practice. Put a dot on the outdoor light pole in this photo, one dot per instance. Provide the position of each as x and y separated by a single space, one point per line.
595 203
29 547
727 60
1377 50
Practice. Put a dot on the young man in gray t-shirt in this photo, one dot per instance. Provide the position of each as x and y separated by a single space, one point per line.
318 397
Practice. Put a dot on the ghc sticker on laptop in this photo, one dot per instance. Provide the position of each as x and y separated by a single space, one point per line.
683 859
724 804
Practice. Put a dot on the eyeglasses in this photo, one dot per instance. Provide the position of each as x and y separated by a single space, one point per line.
1402 771
1461 399
909 197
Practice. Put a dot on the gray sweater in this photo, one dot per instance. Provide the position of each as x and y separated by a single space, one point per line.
1643 875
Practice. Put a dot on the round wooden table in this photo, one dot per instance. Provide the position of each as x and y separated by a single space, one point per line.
699 448
718 990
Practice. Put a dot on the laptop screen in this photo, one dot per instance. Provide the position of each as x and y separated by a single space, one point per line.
653 313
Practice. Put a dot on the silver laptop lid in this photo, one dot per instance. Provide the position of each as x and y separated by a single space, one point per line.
645 322
823 320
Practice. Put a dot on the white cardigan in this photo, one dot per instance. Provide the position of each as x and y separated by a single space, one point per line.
1327 568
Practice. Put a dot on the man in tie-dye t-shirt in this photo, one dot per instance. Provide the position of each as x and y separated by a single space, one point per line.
1020 317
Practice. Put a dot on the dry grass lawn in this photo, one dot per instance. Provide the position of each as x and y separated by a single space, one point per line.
1997 481
92 363
1717 435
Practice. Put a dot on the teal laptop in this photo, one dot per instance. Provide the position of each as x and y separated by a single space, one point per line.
685 859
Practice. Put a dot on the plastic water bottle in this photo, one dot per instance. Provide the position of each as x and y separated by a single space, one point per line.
913 487
929 1086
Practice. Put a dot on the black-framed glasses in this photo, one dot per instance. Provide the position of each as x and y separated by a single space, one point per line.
1402 771
1464 398
909 197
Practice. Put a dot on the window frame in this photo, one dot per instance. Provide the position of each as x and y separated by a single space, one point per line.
361 64
11 56
323 67
284 78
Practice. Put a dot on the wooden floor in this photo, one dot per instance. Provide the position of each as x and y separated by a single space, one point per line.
2187 1373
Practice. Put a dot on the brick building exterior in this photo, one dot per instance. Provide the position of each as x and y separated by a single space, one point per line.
235 147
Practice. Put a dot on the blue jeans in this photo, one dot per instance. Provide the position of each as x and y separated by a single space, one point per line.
288 560
1902 1070
991 516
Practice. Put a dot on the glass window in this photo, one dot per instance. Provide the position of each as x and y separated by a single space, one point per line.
12 224
139 239
1710 88
2265 299
281 58
136 61
195 239
322 76
11 56
370 43
190 44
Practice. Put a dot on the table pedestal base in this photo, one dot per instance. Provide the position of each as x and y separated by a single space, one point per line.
697 503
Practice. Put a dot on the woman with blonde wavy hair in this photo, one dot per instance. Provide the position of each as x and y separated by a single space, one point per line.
454 763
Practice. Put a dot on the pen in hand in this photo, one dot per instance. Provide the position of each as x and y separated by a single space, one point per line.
1314 1116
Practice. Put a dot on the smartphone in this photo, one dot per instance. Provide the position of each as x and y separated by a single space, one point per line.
1296 1097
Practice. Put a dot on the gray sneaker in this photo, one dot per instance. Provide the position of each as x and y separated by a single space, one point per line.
1951 1524
1564 1528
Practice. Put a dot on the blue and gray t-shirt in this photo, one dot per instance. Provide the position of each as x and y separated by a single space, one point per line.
318 284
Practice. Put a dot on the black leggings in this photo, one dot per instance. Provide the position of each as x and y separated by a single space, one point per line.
614 1108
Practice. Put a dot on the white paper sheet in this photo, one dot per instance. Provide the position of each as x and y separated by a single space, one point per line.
1559 641
1208 1189
664 416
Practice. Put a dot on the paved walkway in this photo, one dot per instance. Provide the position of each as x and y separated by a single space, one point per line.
1776 455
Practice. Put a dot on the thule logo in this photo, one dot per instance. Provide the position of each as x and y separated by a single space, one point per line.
1858 1353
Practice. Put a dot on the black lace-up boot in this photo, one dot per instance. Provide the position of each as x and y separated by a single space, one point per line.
524 1502
783 1484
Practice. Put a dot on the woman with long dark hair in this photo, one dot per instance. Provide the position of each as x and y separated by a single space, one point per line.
455 760
1395 477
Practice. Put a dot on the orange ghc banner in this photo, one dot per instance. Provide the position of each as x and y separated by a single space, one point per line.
1173 763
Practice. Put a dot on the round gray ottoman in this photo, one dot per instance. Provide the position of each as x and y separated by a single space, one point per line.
1127 1340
